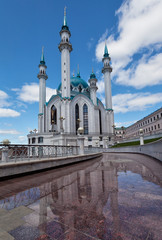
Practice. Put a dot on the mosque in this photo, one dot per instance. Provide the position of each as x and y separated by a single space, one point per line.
75 106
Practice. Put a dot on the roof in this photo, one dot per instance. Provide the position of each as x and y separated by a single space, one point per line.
75 82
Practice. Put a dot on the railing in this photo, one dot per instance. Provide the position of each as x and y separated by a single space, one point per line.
15 153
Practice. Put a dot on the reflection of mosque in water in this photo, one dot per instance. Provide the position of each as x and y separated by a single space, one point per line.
84 196
78 199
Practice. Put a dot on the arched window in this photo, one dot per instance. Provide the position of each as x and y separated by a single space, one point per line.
85 119
71 88
100 122
76 117
53 115
80 88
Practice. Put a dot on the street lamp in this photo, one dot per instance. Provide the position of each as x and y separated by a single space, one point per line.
80 131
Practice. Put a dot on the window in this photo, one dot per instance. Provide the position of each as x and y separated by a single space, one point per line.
53 115
157 116
109 139
89 139
33 140
152 128
64 63
29 141
40 140
80 88
100 122
151 119
64 71
100 138
77 117
64 87
158 125
148 121
155 127
154 118
64 79
85 119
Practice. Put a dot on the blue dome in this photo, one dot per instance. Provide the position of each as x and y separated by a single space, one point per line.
75 82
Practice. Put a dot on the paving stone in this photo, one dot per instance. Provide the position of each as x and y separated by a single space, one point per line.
3 212
5 235
13 218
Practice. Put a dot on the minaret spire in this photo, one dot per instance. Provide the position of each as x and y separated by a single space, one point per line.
65 21
78 74
42 61
106 54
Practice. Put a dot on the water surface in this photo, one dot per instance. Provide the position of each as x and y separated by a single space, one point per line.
118 196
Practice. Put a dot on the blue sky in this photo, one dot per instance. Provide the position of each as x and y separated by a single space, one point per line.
132 30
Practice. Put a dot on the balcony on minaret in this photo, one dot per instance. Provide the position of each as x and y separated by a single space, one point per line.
42 74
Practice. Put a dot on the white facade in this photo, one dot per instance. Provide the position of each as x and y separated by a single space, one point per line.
75 105
151 126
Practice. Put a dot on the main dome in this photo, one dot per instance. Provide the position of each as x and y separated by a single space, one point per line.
77 84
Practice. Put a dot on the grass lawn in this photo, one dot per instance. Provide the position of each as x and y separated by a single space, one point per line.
136 143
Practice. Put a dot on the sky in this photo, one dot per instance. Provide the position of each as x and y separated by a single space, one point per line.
131 29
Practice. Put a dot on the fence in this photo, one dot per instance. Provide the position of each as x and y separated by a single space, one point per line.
15 153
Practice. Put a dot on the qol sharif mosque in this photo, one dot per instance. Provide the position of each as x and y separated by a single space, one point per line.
75 105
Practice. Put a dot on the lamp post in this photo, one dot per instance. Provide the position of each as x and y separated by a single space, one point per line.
141 136
81 140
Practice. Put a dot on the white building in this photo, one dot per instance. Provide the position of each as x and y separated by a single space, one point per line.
151 126
75 104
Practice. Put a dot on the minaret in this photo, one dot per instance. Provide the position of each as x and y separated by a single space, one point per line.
65 48
93 88
42 91
106 70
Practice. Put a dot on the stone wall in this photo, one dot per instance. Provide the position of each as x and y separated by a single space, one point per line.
152 149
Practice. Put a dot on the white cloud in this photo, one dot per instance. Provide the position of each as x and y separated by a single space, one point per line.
139 28
3 99
6 112
22 139
146 73
124 124
104 36
30 93
129 102
50 92
101 86
11 131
